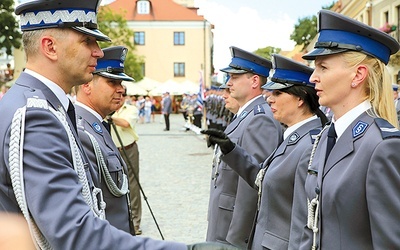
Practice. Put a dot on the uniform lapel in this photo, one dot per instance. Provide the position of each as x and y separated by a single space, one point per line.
345 144
235 123
97 128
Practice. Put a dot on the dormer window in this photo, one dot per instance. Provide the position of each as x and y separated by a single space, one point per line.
143 7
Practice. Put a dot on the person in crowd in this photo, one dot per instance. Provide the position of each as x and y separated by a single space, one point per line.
147 109
153 108
140 105
166 109
126 138
230 103
280 178
3 90
196 110
95 101
46 174
353 179
184 105
233 203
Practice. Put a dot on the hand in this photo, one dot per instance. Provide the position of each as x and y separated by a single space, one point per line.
211 246
216 136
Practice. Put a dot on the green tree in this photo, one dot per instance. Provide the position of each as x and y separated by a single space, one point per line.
306 29
267 52
10 36
115 26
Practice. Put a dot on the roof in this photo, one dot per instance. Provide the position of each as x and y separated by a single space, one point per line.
160 10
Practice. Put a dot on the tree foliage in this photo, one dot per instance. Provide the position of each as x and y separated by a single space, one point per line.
10 36
267 52
115 26
306 29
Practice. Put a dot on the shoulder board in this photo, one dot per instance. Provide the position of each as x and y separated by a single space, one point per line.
387 129
258 109
79 123
35 99
313 134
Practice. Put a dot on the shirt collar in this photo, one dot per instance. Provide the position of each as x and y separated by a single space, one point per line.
245 106
89 109
294 127
57 90
343 122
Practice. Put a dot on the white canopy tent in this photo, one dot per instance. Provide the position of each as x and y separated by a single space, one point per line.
148 84
133 88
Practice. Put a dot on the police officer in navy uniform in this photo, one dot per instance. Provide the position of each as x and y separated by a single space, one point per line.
280 178
95 100
353 180
233 203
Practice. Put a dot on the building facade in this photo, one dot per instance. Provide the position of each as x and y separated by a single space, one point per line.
175 42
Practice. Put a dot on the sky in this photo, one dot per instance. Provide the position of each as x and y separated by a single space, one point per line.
253 24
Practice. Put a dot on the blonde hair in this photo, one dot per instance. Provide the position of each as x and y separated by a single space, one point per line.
378 89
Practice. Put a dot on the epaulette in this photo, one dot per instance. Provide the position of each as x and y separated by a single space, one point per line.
79 123
313 134
35 99
258 109
387 129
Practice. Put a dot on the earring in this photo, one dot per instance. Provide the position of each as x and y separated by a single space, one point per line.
353 84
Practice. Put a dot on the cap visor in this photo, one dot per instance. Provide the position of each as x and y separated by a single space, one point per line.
321 52
275 85
120 76
93 32
233 70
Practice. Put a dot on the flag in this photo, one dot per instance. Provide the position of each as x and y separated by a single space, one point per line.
200 94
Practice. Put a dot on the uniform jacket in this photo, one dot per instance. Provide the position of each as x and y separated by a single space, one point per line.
233 202
282 212
359 188
117 212
167 105
53 191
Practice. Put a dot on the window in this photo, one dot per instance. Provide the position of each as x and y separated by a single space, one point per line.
139 38
179 69
179 38
143 7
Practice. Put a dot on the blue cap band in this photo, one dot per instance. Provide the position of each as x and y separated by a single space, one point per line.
109 65
252 67
293 76
368 45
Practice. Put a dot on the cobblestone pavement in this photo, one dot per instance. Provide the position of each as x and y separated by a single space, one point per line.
175 170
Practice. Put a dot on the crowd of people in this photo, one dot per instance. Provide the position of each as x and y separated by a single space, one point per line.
284 174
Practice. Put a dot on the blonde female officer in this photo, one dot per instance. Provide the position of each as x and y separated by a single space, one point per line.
354 191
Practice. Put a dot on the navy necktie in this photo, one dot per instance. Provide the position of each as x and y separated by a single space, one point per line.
106 125
71 114
331 140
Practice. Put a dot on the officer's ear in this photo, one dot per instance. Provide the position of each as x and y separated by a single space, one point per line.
48 47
